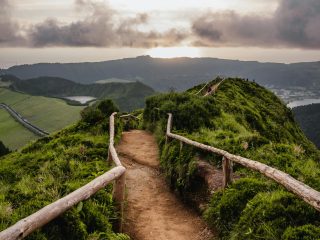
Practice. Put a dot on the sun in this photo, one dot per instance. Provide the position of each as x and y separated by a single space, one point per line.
173 52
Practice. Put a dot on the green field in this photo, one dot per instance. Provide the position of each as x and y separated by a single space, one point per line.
49 114
12 134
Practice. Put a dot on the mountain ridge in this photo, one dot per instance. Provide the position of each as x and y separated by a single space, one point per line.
178 73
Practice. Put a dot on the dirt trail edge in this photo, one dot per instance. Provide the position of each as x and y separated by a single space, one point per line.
152 211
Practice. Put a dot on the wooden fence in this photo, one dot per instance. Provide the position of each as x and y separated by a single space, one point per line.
40 218
303 191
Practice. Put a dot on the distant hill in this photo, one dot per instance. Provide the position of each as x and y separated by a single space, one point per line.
177 73
128 96
308 118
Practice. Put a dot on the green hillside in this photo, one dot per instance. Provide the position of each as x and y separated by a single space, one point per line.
54 166
50 114
12 133
248 120
128 96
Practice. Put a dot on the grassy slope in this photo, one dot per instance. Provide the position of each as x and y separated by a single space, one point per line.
12 134
245 119
49 114
53 167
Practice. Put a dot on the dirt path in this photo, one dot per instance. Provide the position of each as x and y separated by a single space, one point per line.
152 211
214 88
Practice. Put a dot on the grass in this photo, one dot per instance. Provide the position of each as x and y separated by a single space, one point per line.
51 168
49 114
12 133
245 119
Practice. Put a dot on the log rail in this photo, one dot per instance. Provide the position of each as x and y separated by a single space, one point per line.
303 191
26 226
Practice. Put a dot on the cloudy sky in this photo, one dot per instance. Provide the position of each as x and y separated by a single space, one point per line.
95 30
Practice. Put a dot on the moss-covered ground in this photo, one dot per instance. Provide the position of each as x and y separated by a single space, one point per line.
248 120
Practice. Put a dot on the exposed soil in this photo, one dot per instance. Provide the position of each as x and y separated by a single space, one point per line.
152 210
212 89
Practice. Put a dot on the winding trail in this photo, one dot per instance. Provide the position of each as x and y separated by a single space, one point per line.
153 211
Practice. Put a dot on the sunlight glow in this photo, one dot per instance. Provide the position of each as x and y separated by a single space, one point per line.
173 52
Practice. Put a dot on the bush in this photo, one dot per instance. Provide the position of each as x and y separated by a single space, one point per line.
190 112
305 232
269 214
98 111
107 107
227 205
178 165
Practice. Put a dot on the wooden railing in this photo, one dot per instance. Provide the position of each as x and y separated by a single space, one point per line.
40 218
303 191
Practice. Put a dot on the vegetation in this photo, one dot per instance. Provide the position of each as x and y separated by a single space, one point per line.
13 134
49 114
54 166
128 96
308 118
248 120
3 149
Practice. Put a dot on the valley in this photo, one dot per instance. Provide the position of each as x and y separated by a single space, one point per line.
13 134
50 114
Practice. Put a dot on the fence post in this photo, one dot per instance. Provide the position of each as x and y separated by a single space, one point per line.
169 126
118 197
227 172
109 159
181 146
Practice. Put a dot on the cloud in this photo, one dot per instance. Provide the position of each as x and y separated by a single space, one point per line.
101 27
9 30
294 24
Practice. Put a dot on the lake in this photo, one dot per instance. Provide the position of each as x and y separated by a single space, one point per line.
303 102
81 99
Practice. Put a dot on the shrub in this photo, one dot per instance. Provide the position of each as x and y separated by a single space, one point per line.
305 232
269 214
227 205
98 112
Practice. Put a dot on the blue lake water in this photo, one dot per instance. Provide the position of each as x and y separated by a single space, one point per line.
81 99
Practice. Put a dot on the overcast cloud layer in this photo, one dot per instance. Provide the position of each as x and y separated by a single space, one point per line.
294 24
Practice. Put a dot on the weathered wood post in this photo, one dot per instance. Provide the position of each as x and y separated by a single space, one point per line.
169 126
227 172
111 138
119 184
181 146
119 197
109 159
